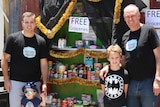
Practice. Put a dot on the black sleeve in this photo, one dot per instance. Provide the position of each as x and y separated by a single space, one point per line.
126 77
102 81
153 38
8 47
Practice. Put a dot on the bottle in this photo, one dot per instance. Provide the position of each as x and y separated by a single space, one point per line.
59 43
89 73
85 73
63 43
65 74
50 68
80 73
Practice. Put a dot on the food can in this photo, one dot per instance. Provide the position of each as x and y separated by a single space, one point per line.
69 74
65 74
64 103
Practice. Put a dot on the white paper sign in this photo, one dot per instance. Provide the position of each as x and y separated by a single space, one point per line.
79 24
152 17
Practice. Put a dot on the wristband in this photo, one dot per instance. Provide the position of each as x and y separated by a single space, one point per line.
157 78
44 86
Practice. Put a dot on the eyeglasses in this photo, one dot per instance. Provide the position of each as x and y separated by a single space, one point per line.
130 16
29 91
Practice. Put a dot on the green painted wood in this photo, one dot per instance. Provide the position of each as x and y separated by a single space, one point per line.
75 90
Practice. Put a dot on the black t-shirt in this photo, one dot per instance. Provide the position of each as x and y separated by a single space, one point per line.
138 48
114 88
25 56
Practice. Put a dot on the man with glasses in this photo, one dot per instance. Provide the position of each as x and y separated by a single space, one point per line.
141 50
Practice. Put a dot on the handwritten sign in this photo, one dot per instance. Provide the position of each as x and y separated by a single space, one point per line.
79 24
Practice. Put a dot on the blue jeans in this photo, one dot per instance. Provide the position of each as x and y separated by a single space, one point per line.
140 94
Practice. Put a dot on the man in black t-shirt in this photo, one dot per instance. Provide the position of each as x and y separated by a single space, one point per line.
28 53
141 47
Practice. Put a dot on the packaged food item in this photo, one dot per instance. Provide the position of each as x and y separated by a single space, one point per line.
62 43
79 43
86 97
64 103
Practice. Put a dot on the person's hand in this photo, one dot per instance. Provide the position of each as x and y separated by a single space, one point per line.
104 72
156 87
44 89
43 97
7 85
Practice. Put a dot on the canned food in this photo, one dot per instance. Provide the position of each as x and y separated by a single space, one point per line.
64 103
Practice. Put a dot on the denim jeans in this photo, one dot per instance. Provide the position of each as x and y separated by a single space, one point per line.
140 94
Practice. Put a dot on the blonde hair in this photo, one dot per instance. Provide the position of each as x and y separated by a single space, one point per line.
114 48
28 14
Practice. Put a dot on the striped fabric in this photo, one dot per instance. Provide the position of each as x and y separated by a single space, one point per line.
2 90
3 93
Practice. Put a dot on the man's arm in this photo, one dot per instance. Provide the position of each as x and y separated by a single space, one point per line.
4 65
104 71
44 71
156 84
125 90
123 61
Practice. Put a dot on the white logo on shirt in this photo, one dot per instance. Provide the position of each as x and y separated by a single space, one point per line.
29 52
29 104
131 45
114 86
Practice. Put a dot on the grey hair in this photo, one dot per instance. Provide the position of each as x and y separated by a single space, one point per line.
131 5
